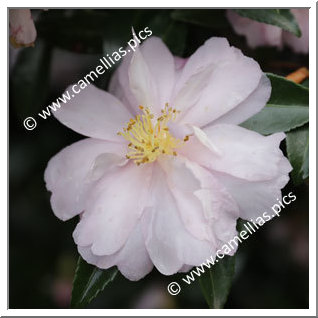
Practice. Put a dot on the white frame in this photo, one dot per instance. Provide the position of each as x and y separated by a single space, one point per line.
153 312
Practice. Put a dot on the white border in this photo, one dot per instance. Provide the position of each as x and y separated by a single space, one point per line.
173 312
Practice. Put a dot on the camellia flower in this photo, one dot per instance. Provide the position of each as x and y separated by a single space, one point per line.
261 34
22 29
166 172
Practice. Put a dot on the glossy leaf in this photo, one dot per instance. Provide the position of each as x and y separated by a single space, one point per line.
89 280
298 153
305 83
216 282
286 109
282 18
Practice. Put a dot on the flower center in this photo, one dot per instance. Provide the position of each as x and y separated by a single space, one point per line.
149 138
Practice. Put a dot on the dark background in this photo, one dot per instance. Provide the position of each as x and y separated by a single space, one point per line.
271 266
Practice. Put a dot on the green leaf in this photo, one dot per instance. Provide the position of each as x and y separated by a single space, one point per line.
29 80
305 83
297 142
88 282
287 92
282 18
201 17
216 282
286 109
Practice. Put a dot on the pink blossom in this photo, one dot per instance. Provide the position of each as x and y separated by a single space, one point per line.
261 34
22 29
168 189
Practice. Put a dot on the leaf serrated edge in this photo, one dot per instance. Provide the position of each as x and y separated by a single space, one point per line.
109 280
81 303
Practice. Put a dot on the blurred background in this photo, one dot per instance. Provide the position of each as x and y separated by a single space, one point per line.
271 266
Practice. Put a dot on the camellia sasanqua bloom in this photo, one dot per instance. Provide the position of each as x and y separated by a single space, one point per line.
261 34
166 170
22 29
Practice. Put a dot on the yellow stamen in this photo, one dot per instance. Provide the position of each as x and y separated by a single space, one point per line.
148 138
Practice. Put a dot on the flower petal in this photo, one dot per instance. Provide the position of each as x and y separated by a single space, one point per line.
240 152
132 259
94 113
145 77
161 66
250 106
201 200
179 63
119 84
214 51
113 209
22 29
183 184
229 84
67 175
219 207
255 198
168 243
141 82
197 69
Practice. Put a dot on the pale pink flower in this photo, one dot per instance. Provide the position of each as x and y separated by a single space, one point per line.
176 198
261 34
22 29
